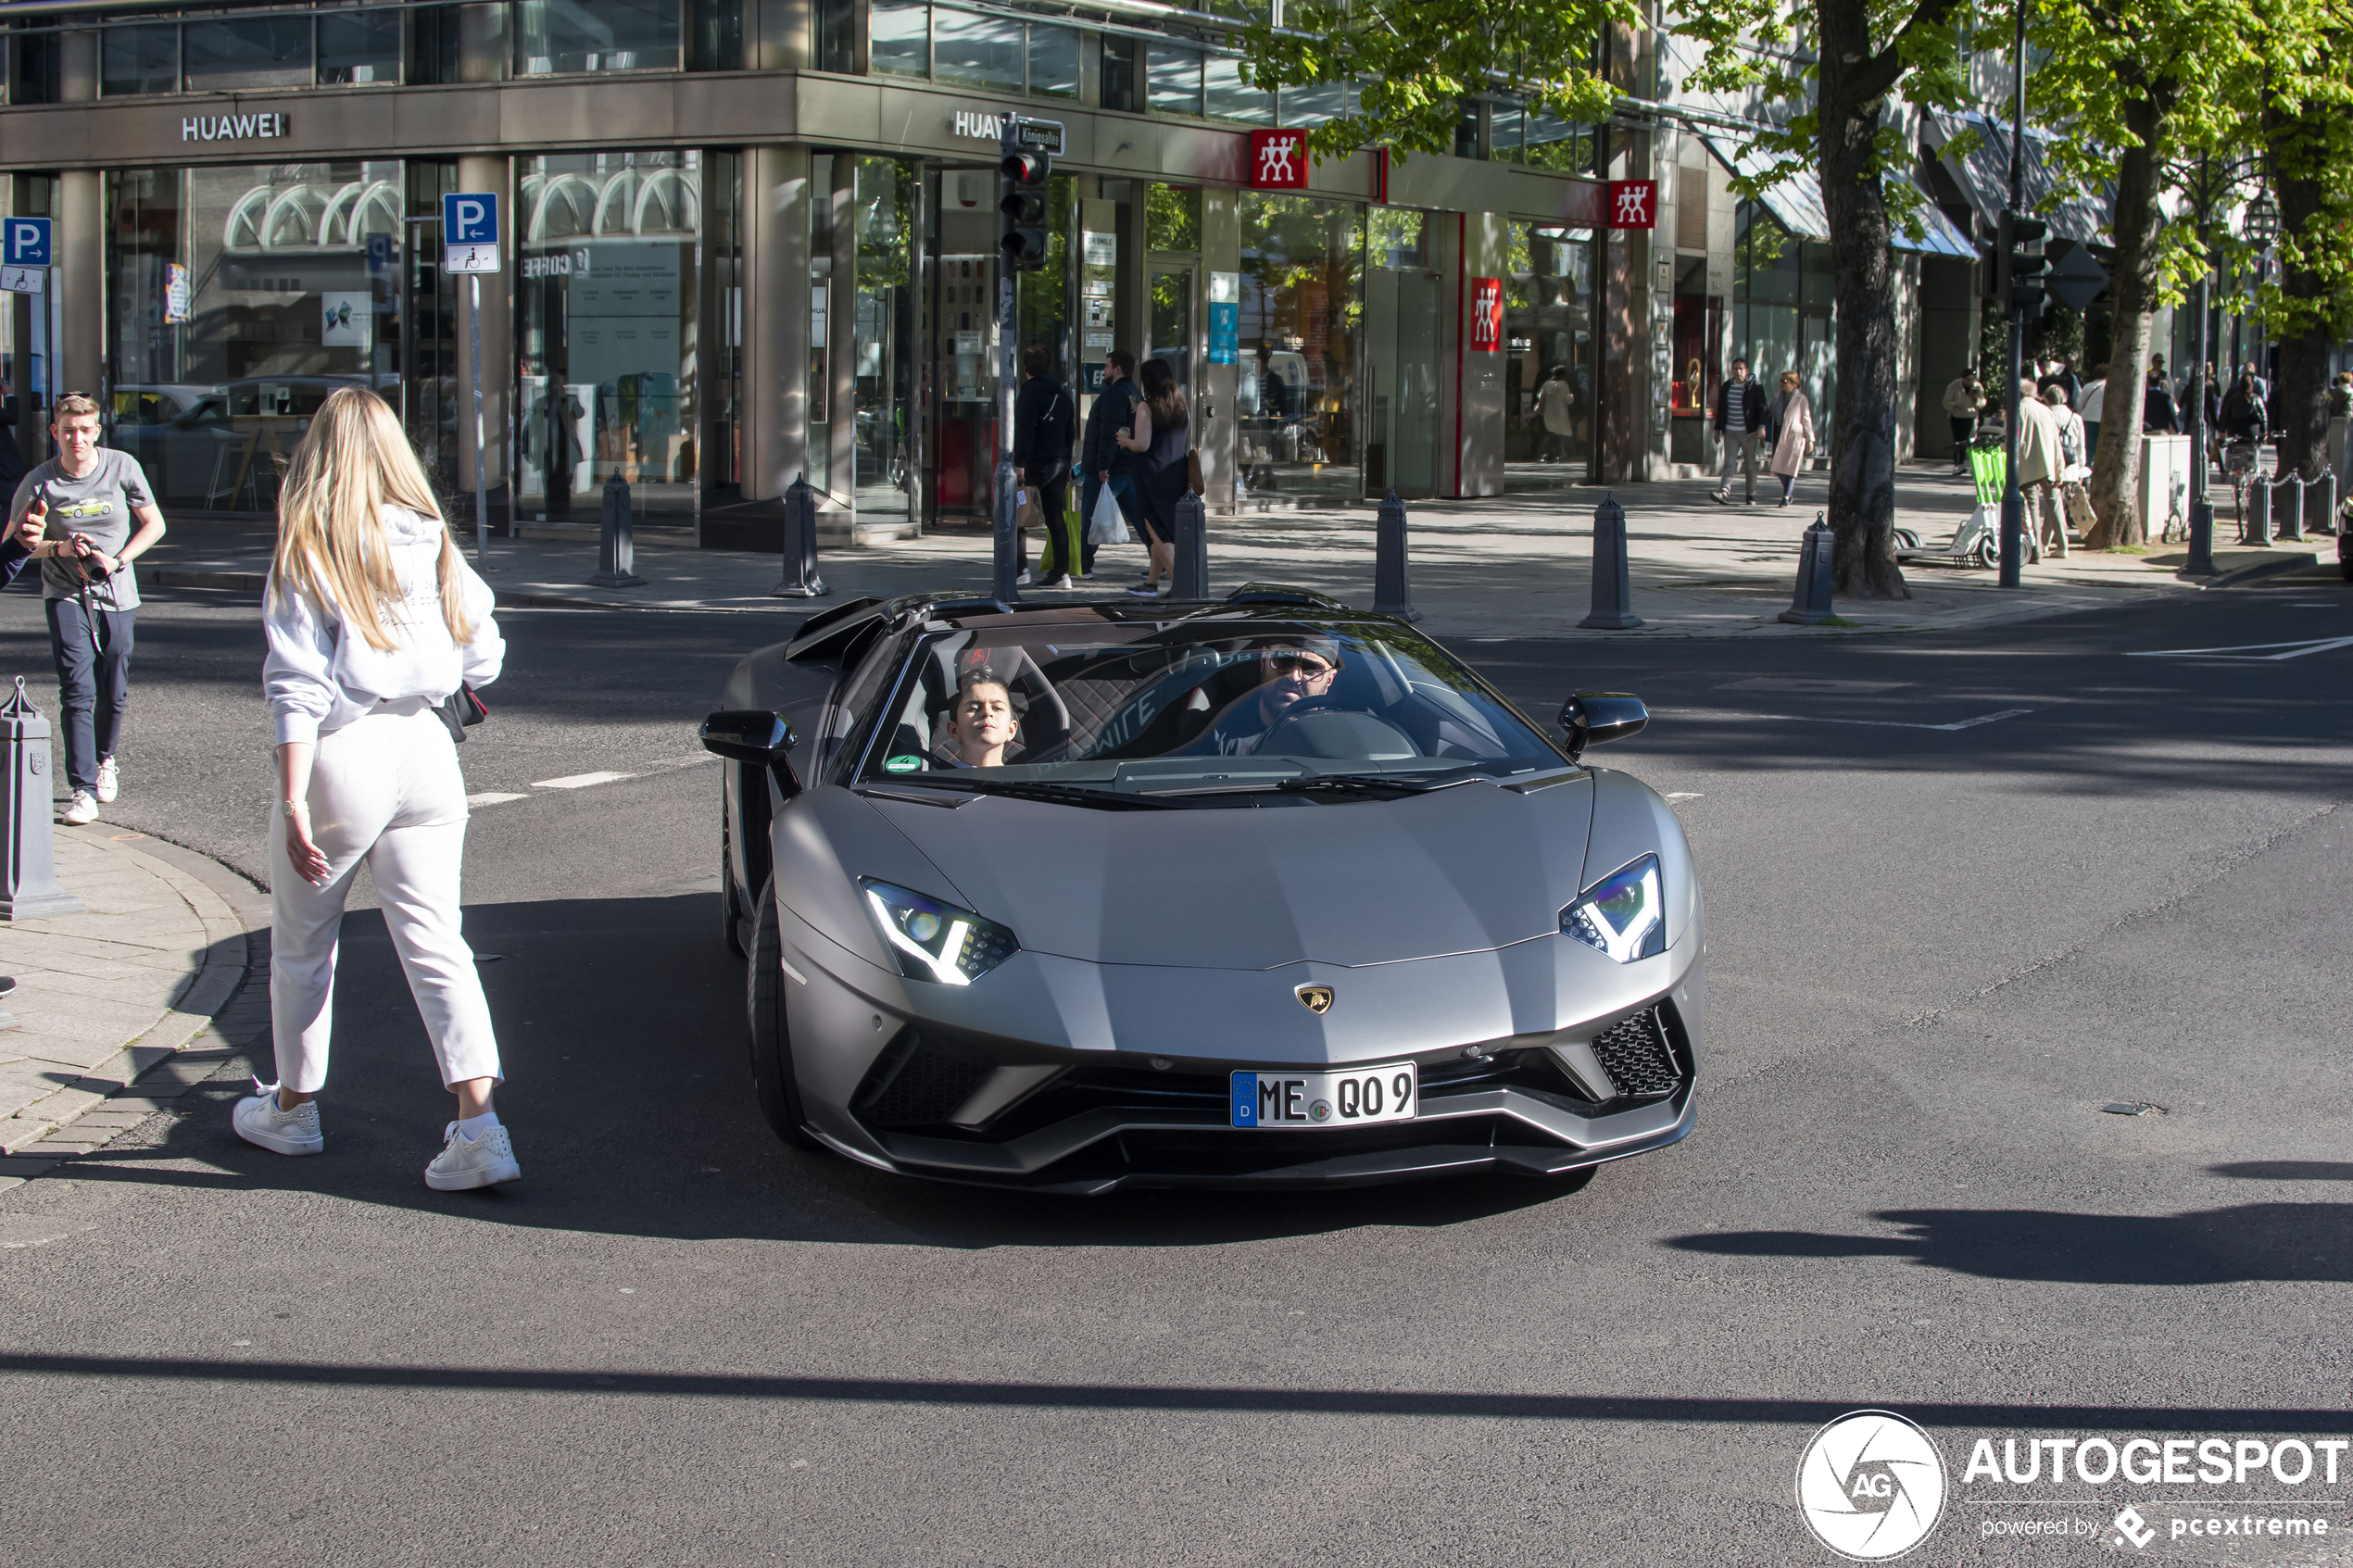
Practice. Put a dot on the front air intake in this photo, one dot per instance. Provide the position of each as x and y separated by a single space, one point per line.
1637 1056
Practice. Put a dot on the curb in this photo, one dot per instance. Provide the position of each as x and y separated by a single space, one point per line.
253 582
2262 570
173 1053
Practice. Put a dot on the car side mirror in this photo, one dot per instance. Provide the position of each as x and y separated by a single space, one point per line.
1598 718
754 736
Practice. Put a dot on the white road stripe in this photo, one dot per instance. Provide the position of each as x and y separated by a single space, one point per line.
491 797
1873 723
581 780
2250 650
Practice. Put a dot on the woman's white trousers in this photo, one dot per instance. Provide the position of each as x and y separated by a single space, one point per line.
384 789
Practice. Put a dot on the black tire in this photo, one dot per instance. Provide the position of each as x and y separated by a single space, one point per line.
731 903
2345 565
772 1074
1989 553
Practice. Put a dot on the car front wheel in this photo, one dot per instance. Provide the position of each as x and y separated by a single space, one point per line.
772 1073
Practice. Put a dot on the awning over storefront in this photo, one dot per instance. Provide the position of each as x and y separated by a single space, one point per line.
1984 177
1796 203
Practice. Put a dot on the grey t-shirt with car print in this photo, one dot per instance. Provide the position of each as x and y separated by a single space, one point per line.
98 505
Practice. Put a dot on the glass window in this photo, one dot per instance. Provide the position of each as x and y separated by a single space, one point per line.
607 327
357 47
835 23
976 51
237 298
1301 307
1231 98
902 38
1548 337
1554 144
1053 61
582 35
715 40
1172 218
139 59
433 58
1119 73
1313 105
246 52
1395 238
1506 124
1174 76
882 349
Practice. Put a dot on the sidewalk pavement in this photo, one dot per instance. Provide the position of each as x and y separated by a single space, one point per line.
158 986
1514 566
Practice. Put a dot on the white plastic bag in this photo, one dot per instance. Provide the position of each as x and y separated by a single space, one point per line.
1109 525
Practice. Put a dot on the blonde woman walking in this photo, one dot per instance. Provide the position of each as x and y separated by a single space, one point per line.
1790 423
374 618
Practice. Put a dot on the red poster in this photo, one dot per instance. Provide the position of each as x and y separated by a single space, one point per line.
1279 160
1633 204
1487 316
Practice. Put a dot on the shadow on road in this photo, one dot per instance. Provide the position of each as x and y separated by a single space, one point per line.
629 1097
2253 1241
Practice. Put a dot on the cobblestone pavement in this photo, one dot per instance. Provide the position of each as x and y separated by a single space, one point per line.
123 1009
1516 566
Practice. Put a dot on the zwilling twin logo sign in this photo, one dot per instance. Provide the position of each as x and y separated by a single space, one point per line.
1487 316
1279 160
233 127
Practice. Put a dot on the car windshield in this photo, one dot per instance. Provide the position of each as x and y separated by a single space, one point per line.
1206 707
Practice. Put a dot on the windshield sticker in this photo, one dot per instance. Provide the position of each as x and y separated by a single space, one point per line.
904 764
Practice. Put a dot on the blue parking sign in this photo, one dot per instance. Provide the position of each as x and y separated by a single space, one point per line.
27 242
470 217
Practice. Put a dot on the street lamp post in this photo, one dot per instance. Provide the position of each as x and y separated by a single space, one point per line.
2201 561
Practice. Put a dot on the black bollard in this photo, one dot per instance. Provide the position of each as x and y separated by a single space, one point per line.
1005 538
616 553
1817 549
801 581
2293 511
1192 549
31 889
1391 596
2259 508
1613 580
2323 499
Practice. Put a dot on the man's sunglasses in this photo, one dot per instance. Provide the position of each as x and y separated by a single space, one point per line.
1305 664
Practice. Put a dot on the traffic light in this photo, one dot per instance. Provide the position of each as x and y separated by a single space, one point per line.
1021 228
2021 264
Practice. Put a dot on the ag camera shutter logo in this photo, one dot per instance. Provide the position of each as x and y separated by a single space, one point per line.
1871 1486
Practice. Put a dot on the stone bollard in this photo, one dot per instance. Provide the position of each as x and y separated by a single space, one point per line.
616 552
2259 509
32 888
801 581
1391 593
1816 551
1192 549
2321 498
2292 509
1613 580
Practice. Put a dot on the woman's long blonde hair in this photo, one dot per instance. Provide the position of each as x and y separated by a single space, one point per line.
355 460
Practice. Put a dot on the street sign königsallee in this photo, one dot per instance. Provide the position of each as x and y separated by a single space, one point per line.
1036 136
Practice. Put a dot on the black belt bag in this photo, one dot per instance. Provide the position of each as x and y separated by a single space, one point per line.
461 710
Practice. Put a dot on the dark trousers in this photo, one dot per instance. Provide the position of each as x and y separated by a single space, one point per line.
93 685
1122 494
1962 430
1054 500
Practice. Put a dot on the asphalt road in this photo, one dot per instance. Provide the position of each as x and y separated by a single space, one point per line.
1936 952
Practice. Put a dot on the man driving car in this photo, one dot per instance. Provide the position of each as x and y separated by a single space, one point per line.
1295 673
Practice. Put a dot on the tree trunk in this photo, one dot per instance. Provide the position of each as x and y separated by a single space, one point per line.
1862 501
2115 469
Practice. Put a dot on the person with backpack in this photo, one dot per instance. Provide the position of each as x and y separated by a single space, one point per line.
374 622
1042 422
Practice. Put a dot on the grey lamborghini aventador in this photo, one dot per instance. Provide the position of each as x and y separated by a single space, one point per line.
1265 891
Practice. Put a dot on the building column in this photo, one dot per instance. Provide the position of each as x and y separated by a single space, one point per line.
775 346
81 252
841 343
1475 434
481 173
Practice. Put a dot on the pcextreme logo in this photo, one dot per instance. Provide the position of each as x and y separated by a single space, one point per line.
1871 1486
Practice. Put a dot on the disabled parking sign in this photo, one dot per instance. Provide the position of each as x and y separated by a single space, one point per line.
470 232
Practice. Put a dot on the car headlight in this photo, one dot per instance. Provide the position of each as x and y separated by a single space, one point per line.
936 941
1624 914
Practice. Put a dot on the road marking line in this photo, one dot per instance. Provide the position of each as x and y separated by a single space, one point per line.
581 780
1693 794
2248 650
491 797
1873 723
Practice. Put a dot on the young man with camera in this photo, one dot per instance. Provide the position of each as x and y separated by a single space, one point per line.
87 514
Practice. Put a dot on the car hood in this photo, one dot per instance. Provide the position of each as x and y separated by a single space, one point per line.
1457 871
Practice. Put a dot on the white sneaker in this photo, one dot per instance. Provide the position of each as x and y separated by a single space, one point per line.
1022 579
109 781
80 811
257 1120
466 1163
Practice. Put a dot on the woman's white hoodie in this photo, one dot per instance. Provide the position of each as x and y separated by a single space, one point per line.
321 675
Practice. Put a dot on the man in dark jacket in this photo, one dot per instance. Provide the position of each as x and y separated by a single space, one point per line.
1100 457
1740 418
1043 418
2157 417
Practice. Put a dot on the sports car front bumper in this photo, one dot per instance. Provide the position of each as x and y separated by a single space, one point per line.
1052 1074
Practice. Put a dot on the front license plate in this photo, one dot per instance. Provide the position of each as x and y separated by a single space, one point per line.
1354 1098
